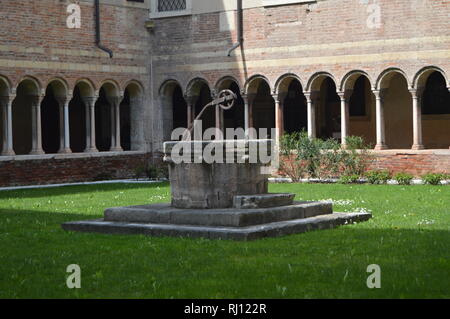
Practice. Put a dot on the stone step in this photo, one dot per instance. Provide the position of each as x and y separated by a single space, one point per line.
230 217
227 233
263 200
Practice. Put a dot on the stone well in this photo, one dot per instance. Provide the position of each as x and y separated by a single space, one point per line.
219 200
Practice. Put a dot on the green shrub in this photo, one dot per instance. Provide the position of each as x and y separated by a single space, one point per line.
433 179
157 171
314 157
378 177
140 171
356 143
348 179
403 178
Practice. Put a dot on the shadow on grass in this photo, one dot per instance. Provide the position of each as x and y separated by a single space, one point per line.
76 189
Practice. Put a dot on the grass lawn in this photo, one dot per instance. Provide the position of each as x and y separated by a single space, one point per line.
409 237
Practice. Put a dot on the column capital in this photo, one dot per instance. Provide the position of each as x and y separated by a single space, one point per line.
114 100
380 94
416 92
249 97
7 98
190 99
36 99
311 95
280 96
345 95
89 100
63 99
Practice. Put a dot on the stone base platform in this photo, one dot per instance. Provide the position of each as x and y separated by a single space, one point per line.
230 223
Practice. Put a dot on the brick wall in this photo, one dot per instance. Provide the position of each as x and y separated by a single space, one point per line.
415 163
331 36
69 169
37 42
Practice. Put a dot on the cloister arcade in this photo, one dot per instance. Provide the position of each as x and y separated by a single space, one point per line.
54 119
389 111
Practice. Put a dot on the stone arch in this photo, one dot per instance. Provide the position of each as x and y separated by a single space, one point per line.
79 118
111 87
394 87
59 86
434 102
25 110
225 81
421 77
385 77
194 86
174 110
233 118
56 93
5 91
5 86
136 87
87 87
283 82
348 81
31 84
131 110
316 80
107 116
357 88
261 105
252 84
199 92
293 107
323 86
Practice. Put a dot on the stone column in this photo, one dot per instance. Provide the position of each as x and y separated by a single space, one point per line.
345 116
64 129
312 100
114 102
279 113
248 114
381 138
417 119
190 102
6 111
218 118
137 123
89 103
36 125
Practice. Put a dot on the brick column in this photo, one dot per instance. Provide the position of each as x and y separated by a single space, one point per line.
417 119
6 111
312 99
64 129
381 138
345 117
36 125
89 103
114 102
